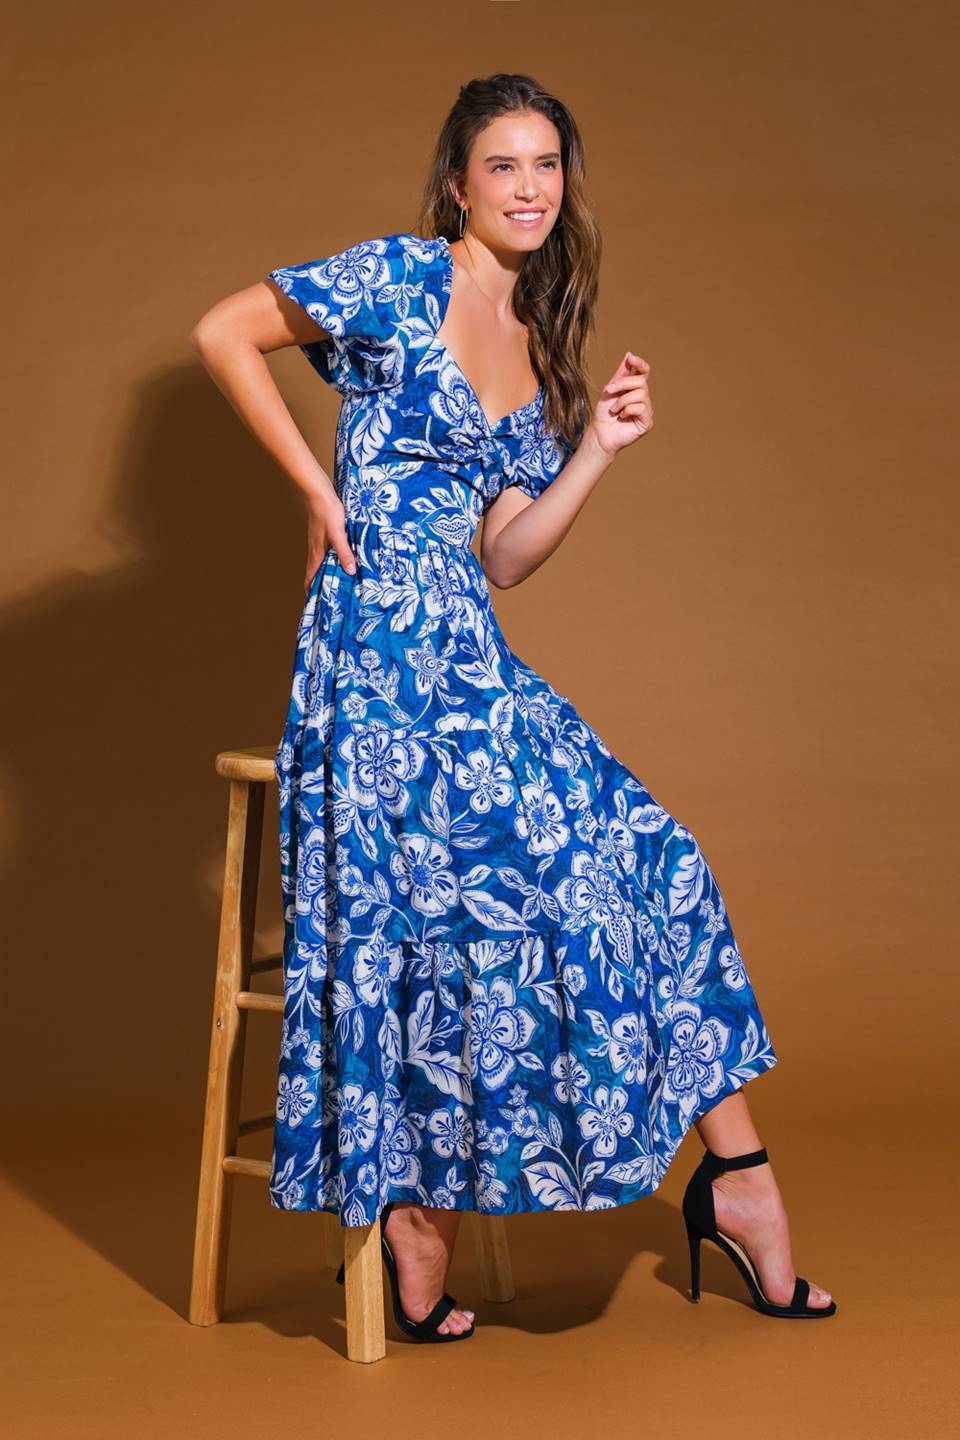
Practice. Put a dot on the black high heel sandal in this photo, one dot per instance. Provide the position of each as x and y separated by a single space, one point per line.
424 1330
701 1222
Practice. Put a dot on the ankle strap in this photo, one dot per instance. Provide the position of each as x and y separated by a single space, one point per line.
716 1164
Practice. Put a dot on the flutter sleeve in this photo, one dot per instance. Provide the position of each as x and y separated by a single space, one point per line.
357 297
540 462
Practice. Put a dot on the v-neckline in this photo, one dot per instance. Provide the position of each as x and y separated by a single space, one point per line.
492 425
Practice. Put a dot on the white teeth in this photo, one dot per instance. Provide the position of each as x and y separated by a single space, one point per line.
524 214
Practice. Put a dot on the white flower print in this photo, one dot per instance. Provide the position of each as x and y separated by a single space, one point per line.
429 669
354 706
623 844
628 1048
295 1099
367 1177
399 1144
377 495
442 588
680 936
491 1191
351 278
731 962
382 763
451 1131
375 969
312 874
605 1119
540 820
421 870
590 892
499 1028
572 1077
495 1138
444 1196
357 1123
350 879
574 979
489 778
452 400
694 1065
314 1055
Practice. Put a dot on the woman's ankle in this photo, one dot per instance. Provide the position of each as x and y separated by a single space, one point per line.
727 1128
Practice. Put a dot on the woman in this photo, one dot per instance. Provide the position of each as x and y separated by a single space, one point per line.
510 982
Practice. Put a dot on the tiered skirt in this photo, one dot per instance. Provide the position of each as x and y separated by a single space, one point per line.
510 980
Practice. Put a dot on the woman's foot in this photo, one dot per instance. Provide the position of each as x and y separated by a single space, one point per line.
749 1208
422 1240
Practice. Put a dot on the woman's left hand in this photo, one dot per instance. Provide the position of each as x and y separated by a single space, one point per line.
624 411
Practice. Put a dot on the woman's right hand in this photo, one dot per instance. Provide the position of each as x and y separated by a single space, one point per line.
326 530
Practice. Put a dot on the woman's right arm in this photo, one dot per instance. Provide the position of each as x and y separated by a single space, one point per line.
232 339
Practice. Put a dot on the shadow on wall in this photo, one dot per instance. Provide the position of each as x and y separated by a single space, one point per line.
121 689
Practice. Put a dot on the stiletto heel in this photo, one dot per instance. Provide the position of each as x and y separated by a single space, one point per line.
424 1330
694 1238
700 1218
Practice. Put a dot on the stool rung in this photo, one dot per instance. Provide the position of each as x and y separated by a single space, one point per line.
266 963
243 1165
256 1122
258 1000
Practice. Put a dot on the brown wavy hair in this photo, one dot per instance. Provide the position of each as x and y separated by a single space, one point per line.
556 289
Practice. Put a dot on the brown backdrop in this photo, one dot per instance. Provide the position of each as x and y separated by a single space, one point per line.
752 610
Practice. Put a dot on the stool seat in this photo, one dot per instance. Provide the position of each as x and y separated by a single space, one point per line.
250 770
254 763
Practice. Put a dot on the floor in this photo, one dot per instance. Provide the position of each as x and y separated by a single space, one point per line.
95 1342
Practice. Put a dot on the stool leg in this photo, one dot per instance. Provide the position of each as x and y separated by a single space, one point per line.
493 1252
225 1072
363 1282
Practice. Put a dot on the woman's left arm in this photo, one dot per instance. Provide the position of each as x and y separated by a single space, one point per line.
520 533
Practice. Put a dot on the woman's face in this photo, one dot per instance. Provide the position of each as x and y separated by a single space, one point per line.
514 184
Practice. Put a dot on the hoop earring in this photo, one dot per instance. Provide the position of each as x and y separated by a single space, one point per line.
463 211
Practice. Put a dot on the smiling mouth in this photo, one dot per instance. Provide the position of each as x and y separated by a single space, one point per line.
527 217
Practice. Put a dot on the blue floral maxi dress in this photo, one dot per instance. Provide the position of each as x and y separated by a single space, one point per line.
510 982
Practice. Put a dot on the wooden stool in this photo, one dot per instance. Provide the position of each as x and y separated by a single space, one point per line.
249 772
